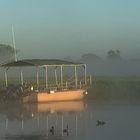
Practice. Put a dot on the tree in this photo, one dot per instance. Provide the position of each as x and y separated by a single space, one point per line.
113 55
90 57
7 53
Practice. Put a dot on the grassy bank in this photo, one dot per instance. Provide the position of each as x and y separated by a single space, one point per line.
115 87
105 87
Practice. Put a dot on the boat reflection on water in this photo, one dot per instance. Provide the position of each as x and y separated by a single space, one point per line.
52 107
54 119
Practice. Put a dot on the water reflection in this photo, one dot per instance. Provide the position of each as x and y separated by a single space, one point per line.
70 120
42 121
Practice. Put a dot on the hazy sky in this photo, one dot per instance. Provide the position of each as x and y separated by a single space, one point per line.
59 28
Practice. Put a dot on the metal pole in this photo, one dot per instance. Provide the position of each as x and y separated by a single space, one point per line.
37 77
61 68
75 70
21 76
85 74
6 78
46 77
55 72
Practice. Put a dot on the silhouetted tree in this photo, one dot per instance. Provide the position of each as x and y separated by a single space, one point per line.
68 58
90 57
113 55
6 53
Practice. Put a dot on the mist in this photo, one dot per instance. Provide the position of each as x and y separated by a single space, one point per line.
114 64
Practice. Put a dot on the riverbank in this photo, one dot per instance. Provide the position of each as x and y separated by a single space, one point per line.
105 87
115 88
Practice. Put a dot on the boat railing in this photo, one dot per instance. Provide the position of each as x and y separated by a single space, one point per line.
59 87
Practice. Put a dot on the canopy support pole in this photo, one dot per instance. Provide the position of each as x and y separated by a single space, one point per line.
6 78
61 69
21 76
46 77
56 79
37 77
85 74
76 79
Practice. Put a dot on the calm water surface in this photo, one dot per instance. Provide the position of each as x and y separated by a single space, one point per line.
35 121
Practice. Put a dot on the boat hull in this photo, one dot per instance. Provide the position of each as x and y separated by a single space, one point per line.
57 96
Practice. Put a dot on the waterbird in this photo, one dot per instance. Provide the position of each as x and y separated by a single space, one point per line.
52 130
66 130
99 122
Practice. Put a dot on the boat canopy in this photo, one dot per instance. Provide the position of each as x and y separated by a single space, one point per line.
39 62
45 63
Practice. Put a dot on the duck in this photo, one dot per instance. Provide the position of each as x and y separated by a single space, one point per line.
99 122
66 130
52 130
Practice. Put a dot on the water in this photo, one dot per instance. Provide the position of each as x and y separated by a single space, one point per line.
34 121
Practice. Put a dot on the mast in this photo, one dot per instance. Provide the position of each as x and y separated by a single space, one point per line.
13 39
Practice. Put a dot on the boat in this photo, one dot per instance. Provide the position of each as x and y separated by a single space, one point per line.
60 91
63 95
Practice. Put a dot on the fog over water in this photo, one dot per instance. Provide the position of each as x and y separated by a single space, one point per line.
104 34
34 121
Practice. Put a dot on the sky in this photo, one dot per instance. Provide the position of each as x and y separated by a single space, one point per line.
61 28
